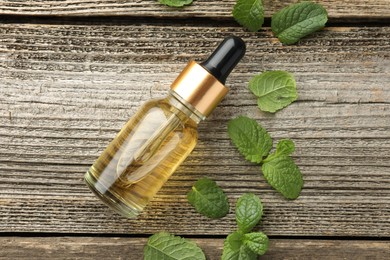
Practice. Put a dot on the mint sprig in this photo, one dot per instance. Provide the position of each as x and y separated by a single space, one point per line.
242 245
176 3
208 199
249 13
298 20
274 90
166 246
278 168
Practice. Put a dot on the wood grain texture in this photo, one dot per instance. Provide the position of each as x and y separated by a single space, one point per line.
200 8
66 90
132 248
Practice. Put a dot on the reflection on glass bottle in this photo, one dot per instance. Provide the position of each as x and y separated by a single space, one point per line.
143 156
157 139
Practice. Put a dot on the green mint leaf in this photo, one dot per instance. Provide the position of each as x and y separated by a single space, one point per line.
257 242
164 246
235 240
249 13
176 3
234 249
250 138
249 211
298 20
285 147
283 175
208 199
274 89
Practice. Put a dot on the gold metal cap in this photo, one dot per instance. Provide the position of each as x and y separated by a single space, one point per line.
199 88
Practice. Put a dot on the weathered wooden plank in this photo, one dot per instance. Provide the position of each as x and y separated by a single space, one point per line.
200 8
66 90
132 248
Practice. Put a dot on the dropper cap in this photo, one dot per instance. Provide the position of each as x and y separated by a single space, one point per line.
223 60
201 86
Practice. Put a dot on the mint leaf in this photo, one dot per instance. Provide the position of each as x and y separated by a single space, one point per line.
236 250
166 246
283 175
249 211
257 242
176 3
274 89
208 199
249 13
298 20
285 147
250 138
235 240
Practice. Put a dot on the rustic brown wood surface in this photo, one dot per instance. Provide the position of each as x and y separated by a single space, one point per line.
200 8
67 89
132 248
67 86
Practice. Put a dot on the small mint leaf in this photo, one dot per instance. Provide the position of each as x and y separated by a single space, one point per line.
235 240
285 147
249 211
257 242
176 3
250 138
249 13
283 175
298 20
274 89
208 199
236 250
166 246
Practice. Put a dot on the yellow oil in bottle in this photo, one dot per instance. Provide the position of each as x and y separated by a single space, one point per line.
141 158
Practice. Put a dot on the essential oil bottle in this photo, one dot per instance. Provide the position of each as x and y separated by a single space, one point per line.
160 136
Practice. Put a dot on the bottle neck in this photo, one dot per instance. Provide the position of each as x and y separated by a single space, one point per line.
199 89
184 107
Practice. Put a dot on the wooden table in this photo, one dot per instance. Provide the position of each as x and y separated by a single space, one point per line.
73 72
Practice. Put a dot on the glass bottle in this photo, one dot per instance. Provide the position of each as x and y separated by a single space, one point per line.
157 139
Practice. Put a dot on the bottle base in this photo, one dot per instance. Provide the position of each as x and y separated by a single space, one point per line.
110 199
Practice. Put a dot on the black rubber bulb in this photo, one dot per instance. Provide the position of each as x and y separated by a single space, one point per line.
225 58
